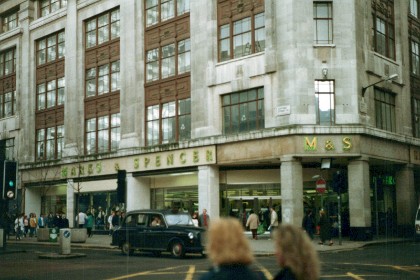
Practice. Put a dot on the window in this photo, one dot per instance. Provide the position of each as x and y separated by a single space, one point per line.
383 28
416 121
51 48
323 23
168 61
7 104
415 58
50 142
9 20
243 111
385 110
103 133
242 37
163 10
103 79
50 6
9 148
414 8
103 28
51 94
169 122
8 88
325 107
241 28
8 62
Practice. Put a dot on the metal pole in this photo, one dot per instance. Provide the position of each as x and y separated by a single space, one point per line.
339 217
376 207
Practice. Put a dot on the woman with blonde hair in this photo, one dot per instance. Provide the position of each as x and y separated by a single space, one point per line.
296 254
229 251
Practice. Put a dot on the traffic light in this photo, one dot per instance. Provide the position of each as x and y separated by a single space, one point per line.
339 183
9 180
121 186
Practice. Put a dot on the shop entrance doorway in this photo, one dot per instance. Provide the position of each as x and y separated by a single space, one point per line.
240 207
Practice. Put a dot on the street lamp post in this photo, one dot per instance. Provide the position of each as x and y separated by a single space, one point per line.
389 78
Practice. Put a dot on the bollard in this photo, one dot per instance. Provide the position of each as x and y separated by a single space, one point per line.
65 241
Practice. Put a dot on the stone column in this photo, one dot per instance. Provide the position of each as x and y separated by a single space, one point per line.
209 190
70 202
406 200
359 199
137 192
291 190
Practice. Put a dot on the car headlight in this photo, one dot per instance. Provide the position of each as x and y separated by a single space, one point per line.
191 235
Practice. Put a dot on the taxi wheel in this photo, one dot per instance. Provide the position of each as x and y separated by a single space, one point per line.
177 250
126 248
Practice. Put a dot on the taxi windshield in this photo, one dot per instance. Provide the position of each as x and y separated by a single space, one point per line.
178 219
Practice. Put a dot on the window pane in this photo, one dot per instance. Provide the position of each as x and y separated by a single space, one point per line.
61 85
103 79
183 6
115 76
167 9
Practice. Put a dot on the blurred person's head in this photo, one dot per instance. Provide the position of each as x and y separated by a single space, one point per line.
227 243
295 250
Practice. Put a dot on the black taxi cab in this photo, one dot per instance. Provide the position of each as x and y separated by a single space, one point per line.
159 231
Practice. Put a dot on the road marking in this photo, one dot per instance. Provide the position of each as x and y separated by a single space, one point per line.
267 273
407 269
354 276
190 273
145 273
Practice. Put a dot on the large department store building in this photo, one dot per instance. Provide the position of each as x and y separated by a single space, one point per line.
228 105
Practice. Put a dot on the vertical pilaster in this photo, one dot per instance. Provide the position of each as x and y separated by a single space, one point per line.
208 190
406 198
359 197
74 92
25 64
138 192
132 74
291 190
70 202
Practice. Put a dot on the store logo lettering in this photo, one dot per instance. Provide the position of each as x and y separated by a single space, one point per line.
312 144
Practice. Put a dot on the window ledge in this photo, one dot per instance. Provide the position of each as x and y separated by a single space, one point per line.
324 45
13 32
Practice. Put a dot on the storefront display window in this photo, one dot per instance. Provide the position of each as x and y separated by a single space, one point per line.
185 199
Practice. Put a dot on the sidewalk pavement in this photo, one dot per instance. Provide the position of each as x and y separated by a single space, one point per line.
264 246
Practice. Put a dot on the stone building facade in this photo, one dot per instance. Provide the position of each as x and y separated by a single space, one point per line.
227 105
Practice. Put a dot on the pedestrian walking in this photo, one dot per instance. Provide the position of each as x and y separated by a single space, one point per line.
274 220
204 219
308 223
324 228
19 226
89 223
253 223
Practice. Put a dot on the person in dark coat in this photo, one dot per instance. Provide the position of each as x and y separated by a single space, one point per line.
308 223
229 251
324 228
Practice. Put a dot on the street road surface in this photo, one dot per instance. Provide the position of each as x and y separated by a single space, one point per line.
392 261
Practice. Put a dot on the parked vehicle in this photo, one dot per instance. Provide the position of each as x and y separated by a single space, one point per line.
158 231
417 224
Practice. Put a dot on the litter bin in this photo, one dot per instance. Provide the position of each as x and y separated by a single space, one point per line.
65 239
53 233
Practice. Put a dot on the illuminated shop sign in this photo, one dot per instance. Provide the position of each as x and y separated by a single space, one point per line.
311 144
155 161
